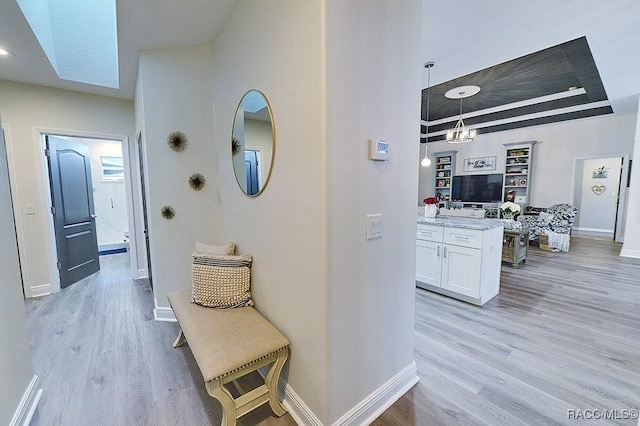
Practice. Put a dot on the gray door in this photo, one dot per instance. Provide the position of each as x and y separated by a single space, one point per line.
73 212
251 167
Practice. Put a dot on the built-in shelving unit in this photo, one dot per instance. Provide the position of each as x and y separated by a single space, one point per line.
517 171
444 170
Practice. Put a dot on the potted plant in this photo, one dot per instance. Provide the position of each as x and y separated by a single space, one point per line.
430 206
509 210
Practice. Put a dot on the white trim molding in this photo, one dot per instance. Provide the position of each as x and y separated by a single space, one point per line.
299 411
630 253
381 399
365 412
28 404
596 232
40 290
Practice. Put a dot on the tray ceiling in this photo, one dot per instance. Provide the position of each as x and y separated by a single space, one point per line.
552 85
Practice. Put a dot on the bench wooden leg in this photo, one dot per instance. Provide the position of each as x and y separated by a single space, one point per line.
219 392
271 381
180 340
233 408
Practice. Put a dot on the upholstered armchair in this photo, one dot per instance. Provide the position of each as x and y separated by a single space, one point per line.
558 218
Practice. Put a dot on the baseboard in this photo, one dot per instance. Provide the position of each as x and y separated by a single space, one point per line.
630 253
298 410
365 412
41 290
597 232
381 399
28 404
142 273
164 314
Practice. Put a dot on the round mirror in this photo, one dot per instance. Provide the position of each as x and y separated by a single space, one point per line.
253 142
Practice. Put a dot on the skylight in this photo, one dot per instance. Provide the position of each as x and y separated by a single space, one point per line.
79 38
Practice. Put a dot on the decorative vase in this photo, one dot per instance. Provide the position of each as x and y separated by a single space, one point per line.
430 210
507 215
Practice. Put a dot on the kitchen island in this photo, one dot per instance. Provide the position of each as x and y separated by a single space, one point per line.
459 257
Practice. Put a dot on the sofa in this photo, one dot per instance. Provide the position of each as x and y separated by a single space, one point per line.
558 219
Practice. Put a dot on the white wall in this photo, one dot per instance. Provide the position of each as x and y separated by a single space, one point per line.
277 47
16 369
373 92
631 246
175 91
557 147
27 109
109 197
597 212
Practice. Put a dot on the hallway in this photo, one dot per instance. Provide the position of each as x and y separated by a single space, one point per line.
103 360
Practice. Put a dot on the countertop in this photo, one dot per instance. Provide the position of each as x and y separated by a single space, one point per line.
461 222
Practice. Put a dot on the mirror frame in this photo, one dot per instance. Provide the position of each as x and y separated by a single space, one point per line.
273 143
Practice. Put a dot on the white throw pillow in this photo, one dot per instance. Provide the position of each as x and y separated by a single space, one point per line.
545 217
224 249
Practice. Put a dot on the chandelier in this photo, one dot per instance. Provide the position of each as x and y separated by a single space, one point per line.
460 133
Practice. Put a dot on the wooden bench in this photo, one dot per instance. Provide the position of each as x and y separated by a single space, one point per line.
228 344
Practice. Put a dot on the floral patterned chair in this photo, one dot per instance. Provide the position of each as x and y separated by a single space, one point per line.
558 218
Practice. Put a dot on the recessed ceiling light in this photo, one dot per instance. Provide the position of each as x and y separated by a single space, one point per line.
4 52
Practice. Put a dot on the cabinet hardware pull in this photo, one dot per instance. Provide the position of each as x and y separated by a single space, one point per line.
438 254
460 237
445 252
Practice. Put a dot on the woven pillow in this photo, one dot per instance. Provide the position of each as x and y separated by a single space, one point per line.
228 248
221 281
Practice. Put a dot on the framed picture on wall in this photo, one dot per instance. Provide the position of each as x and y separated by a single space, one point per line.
479 164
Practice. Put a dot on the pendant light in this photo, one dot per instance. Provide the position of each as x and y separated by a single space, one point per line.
426 161
460 133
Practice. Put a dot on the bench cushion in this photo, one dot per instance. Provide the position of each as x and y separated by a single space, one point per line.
224 340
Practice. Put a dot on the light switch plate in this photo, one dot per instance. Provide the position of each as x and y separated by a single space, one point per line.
374 226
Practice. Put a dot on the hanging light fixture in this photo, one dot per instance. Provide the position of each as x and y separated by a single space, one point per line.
426 161
460 133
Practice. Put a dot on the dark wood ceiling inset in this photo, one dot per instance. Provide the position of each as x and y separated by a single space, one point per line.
547 72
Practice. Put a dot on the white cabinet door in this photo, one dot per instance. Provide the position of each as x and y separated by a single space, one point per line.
461 270
428 262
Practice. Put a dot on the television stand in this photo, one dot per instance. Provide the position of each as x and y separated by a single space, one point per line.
491 209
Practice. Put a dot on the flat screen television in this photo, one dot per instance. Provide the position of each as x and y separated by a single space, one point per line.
477 188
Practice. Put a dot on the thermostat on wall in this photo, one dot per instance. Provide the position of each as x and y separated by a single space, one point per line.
379 150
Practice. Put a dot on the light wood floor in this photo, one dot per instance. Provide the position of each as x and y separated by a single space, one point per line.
103 360
564 333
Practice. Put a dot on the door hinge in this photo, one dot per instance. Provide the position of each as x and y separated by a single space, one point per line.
59 266
47 152
53 210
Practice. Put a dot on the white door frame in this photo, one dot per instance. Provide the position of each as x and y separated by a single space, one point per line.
622 194
44 195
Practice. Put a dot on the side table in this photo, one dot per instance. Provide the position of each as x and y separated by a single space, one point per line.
514 246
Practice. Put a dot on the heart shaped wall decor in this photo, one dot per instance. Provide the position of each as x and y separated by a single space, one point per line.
598 188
